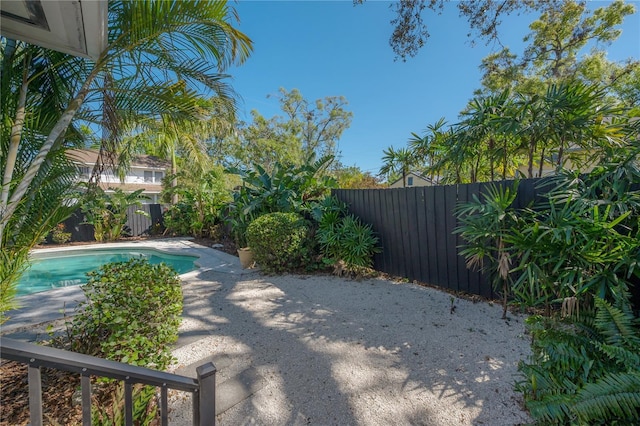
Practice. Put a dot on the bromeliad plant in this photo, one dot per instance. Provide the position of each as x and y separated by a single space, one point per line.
486 226
345 242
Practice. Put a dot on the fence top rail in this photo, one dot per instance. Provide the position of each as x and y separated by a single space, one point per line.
44 356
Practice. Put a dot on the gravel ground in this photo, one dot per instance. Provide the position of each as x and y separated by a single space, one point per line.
323 350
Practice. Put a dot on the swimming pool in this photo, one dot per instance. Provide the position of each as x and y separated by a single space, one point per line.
69 268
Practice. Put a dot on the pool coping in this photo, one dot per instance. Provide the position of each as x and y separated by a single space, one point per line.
55 304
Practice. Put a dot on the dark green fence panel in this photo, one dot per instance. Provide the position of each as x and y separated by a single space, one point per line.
416 230
137 224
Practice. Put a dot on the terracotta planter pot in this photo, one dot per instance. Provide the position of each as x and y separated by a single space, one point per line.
246 257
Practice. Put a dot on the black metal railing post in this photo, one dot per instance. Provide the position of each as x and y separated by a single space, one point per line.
36 357
207 394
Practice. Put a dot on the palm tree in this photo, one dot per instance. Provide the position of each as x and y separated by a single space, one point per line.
170 139
398 161
428 148
148 69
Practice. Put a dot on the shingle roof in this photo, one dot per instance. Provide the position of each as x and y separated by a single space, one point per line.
90 156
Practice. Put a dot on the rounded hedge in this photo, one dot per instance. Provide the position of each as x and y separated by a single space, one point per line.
279 241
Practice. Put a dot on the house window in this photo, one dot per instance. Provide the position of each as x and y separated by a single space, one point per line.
159 176
85 171
148 176
410 181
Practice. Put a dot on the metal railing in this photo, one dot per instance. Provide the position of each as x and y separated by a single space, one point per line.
36 357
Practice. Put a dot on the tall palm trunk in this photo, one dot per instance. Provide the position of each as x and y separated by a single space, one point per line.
560 153
491 167
505 160
532 148
8 208
14 143
174 178
541 163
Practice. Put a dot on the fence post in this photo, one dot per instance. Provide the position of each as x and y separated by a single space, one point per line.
207 393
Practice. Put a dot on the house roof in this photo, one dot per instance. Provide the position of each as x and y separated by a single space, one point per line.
90 156
75 27
418 175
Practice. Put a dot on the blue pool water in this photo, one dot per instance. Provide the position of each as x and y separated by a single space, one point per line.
69 269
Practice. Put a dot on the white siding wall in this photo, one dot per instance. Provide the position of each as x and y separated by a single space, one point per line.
136 176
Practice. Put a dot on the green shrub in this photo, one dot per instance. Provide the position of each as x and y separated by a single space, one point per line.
346 239
279 241
131 315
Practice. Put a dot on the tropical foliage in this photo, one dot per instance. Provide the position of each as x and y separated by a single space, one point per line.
287 189
305 128
571 125
557 105
575 254
343 238
46 95
486 226
202 198
107 212
586 369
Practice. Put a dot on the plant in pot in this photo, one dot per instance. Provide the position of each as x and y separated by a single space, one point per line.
244 251
238 218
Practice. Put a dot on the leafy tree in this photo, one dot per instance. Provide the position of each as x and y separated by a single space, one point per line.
354 178
561 32
430 147
263 142
410 32
140 61
183 142
286 189
306 128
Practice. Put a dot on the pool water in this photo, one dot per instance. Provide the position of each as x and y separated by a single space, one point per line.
71 269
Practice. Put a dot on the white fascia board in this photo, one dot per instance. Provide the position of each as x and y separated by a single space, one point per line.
77 27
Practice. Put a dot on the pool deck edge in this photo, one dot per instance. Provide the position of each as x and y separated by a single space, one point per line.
39 309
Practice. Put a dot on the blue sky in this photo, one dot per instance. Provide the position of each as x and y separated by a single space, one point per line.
332 48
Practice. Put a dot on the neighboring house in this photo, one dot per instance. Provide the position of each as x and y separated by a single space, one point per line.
574 158
146 172
413 179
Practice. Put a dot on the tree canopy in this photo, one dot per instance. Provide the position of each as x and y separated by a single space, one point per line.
304 129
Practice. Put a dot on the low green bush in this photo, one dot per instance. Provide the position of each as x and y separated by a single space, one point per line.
131 314
279 241
346 240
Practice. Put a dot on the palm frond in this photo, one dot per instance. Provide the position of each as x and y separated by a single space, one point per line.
615 396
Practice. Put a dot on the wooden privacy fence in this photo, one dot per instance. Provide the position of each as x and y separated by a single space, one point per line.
137 224
415 227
